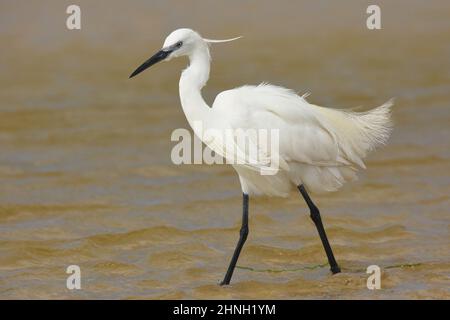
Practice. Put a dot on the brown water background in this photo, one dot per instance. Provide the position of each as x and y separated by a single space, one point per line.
86 176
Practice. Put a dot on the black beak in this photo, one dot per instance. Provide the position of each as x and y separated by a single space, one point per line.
157 57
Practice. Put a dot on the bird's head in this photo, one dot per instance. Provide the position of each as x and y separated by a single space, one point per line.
181 42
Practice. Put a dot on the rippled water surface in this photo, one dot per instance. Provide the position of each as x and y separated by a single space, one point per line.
86 176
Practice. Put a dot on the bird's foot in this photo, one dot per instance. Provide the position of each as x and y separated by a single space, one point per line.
335 269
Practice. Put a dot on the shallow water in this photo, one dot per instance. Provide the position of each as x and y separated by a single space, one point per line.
86 176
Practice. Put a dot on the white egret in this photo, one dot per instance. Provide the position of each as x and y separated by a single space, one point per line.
319 148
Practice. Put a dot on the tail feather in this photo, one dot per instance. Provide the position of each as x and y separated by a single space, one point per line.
375 126
358 133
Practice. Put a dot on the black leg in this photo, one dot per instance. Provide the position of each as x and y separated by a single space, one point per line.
315 216
242 237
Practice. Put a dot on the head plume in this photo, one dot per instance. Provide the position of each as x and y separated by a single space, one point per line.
220 41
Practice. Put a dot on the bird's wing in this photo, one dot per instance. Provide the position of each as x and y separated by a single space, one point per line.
304 135
240 146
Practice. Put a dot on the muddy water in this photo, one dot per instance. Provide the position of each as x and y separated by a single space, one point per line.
86 176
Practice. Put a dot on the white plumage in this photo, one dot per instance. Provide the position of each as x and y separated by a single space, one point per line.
322 147
318 149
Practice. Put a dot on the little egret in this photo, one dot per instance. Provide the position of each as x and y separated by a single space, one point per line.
319 148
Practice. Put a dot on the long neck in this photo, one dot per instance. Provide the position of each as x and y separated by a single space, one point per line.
192 80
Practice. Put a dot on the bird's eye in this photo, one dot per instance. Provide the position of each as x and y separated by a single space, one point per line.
178 44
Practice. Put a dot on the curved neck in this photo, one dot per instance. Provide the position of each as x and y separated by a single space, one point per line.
192 80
